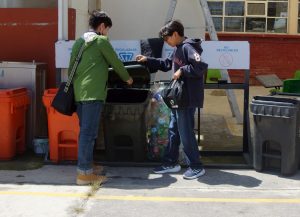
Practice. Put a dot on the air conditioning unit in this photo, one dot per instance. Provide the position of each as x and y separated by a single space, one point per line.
256 9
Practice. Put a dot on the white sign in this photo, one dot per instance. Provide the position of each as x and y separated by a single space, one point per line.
62 53
226 54
126 49
217 54
221 54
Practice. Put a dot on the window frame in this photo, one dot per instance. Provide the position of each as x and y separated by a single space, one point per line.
246 15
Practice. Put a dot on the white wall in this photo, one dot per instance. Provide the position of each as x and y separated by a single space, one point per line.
140 19
82 13
81 16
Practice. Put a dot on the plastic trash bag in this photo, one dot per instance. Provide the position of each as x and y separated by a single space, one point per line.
158 124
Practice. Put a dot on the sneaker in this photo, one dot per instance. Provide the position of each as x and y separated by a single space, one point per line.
193 173
98 170
167 169
90 179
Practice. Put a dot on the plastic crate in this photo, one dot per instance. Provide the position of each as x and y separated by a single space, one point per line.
291 86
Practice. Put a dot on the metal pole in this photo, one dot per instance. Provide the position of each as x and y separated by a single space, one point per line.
171 11
63 6
63 19
214 37
246 126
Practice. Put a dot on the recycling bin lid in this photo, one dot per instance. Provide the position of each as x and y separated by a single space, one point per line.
279 98
139 73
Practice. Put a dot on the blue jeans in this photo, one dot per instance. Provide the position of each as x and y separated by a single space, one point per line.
89 113
181 129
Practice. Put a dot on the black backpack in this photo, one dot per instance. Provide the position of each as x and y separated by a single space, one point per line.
175 94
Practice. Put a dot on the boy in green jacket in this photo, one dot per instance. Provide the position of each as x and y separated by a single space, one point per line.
90 88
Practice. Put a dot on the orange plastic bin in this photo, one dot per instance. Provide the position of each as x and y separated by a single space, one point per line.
13 105
63 131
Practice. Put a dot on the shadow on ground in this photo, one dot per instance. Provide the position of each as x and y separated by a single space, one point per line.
219 177
145 179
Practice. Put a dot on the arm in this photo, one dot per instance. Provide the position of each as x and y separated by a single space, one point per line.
156 63
112 58
195 68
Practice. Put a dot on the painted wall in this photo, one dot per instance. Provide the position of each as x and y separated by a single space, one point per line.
141 19
82 14
30 34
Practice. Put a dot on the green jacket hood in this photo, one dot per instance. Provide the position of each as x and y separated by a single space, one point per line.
89 36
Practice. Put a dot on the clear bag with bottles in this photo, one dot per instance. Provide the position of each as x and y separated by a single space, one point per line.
158 123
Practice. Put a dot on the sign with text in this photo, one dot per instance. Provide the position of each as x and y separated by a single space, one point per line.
226 54
126 49
221 54
217 54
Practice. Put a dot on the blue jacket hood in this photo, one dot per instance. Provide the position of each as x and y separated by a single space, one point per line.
195 42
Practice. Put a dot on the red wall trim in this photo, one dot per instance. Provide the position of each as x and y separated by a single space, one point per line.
29 34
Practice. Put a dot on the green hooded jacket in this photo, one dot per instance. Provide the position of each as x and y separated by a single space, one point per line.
90 80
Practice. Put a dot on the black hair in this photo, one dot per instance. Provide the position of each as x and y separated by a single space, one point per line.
97 17
170 28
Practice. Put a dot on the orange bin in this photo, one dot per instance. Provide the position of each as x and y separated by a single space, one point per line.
63 131
13 105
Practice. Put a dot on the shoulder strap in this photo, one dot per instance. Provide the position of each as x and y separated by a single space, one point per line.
74 67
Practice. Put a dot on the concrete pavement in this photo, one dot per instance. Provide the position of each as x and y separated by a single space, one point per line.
136 191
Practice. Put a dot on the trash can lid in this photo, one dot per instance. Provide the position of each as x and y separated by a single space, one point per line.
139 73
7 92
278 99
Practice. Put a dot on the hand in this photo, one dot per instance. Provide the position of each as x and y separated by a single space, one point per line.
141 58
129 81
177 74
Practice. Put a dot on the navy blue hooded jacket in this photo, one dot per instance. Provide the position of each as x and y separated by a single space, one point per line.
186 56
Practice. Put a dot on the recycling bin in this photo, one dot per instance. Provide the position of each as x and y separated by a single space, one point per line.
125 115
13 105
276 133
63 131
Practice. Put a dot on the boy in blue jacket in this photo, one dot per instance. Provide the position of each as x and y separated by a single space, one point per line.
185 61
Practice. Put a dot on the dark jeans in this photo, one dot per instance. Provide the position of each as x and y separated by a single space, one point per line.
181 129
89 113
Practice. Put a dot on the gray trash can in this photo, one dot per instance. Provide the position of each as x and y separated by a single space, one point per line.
125 116
276 133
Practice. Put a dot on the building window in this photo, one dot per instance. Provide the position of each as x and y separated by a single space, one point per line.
264 16
216 10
